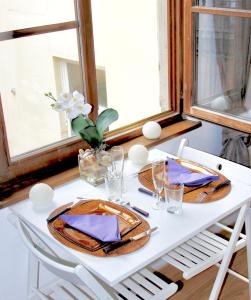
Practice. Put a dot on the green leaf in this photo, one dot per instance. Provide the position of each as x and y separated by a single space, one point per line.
81 123
106 118
91 136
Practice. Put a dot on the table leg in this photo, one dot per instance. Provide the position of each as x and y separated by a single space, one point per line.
248 234
228 254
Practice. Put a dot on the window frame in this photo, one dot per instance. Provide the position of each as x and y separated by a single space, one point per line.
189 108
56 153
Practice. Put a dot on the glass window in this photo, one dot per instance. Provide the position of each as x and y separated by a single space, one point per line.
18 14
130 39
29 68
222 56
237 4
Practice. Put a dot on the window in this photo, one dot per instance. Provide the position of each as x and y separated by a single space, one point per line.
218 61
122 54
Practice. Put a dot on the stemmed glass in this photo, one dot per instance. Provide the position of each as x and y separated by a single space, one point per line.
158 175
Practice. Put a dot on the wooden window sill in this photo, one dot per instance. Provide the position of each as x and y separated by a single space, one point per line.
167 133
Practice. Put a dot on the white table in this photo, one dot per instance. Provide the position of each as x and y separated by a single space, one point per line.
172 229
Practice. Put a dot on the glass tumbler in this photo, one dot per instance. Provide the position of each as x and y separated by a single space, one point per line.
174 198
113 184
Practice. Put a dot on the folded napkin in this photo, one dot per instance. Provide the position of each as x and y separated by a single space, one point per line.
179 174
102 227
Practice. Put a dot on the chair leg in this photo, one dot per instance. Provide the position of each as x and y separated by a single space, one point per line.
228 254
248 234
33 275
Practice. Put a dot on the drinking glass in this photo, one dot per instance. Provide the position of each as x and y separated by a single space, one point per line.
117 154
158 175
174 196
113 184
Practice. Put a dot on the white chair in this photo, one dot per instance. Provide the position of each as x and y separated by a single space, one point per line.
207 248
76 282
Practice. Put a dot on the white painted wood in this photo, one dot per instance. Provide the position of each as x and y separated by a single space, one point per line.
235 274
33 274
163 241
75 291
61 294
125 292
228 254
194 251
147 284
230 169
188 255
201 258
200 248
181 259
248 233
211 241
183 143
138 290
215 237
66 290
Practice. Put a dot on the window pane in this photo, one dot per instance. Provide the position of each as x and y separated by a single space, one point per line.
29 68
18 14
238 4
130 40
222 55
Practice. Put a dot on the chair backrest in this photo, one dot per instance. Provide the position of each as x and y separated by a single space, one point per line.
230 169
62 268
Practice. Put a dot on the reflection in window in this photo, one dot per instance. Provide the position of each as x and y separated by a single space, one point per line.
222 53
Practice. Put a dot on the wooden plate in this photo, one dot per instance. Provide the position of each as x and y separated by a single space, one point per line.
191 193
130 224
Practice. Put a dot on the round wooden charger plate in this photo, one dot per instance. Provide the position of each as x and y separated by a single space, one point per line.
191 194
125 249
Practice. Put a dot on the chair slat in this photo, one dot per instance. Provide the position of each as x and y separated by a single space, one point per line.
125 292
200 248
175 263
144 282
137 289
75 291
188 255
194 251
211 241
181 259
215 237
61 294
206 244
155 279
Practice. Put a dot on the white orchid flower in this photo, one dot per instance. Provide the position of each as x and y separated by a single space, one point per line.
73 104
76 96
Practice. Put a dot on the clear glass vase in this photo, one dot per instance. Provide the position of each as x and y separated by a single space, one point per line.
93 165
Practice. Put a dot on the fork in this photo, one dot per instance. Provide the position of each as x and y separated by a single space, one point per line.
137 209
205 194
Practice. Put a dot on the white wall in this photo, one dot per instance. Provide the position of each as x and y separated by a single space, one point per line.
206 138
13 254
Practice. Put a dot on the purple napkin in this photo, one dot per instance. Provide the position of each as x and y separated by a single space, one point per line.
179 174
102 227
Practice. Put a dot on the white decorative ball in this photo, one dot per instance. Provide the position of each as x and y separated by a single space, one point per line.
151 130
41 196
138 154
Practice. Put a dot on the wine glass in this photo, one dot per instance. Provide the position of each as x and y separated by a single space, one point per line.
158 175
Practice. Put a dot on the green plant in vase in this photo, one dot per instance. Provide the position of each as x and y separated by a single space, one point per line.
92 162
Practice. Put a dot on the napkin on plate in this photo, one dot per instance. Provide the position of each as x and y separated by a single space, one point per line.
102 227
179 174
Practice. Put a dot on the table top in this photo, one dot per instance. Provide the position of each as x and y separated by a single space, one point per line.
172 229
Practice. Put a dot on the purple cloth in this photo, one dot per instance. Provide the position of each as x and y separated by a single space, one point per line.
179 174
102 227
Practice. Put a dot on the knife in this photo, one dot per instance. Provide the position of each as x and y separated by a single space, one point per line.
148 192
118 244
